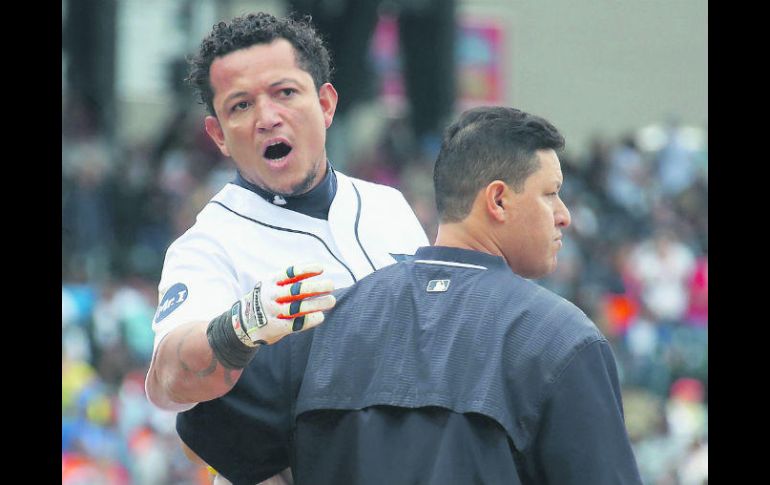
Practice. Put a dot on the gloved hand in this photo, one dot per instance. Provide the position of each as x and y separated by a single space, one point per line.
290 301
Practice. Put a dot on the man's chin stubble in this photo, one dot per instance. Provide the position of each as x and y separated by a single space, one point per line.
305 185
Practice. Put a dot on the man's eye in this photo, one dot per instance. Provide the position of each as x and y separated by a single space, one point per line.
241 106
287 92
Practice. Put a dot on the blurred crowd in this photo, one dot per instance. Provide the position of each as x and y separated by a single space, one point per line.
635 260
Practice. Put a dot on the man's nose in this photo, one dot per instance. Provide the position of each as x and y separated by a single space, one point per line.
268 117
563 217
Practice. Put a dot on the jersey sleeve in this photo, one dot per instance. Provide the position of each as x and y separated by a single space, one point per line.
582 436
413 232
398 218
198 282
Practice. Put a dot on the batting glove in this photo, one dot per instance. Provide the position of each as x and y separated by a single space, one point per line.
290 301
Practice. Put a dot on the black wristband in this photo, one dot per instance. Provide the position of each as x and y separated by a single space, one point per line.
227 348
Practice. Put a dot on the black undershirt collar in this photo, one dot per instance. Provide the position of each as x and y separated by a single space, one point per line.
314 203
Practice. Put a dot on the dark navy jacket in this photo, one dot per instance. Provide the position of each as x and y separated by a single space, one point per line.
492 380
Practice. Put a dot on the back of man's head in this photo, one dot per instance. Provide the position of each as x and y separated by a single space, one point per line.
486 144
261 28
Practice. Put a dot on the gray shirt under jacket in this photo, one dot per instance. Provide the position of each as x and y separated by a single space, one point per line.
486 379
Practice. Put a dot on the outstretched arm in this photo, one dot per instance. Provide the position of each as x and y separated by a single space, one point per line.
200 361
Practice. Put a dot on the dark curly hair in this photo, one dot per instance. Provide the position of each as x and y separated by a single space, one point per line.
260 28
488 143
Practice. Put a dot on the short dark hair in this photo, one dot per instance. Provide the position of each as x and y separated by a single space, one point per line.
488 143
260 28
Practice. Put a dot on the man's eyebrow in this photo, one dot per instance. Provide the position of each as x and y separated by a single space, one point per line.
285 80
234 95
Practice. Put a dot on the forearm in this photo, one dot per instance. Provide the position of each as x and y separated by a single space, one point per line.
185 369
202 361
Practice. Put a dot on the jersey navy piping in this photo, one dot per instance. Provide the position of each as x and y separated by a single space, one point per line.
358 216
288 230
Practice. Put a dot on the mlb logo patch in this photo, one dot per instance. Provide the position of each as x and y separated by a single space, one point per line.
437 285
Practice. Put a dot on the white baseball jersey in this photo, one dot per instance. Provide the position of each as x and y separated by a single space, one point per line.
239 238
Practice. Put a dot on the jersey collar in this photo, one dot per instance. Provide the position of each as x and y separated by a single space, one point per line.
459 255
314 203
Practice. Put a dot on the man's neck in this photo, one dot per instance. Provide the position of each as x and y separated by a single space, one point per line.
464 235
313 203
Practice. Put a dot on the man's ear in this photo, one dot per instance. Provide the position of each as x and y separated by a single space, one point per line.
215 132
327 96
495 201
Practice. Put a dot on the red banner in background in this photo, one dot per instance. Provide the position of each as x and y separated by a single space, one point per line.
479 53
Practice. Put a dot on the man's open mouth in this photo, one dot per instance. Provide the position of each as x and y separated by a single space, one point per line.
277 151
